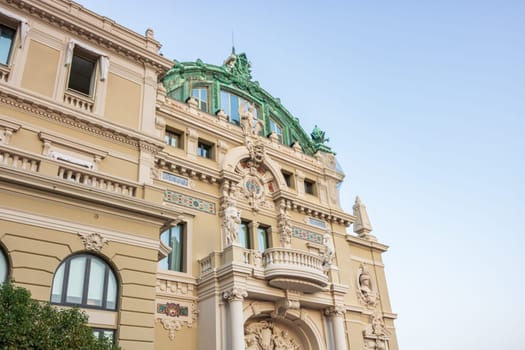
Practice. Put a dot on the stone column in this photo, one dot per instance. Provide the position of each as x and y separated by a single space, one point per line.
235 297
337 314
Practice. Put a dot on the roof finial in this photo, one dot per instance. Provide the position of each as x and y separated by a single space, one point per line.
362 224
233 44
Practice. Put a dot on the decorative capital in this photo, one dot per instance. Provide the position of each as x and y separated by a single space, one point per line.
337 310
93 241
235 294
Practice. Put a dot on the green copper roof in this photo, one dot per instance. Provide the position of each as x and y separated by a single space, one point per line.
234 76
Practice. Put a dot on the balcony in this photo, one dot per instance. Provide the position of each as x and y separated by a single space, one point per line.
283 268
293 269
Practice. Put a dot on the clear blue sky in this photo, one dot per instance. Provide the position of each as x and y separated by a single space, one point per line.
424 102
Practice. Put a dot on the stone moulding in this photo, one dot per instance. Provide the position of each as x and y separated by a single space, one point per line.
47 112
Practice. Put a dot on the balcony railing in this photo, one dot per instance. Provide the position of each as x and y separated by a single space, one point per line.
91 179
18 160
294 269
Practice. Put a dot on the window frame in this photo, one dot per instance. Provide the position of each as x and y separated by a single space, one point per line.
310 184
179 135
86 55
4 259
100 335
85 288
98 73
4 25
240 99
246 243
274 125
184 250
267 232
198 98
210 152
19 26
289 178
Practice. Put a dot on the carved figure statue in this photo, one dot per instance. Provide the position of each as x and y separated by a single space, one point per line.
285 226
251 340
232 221
369 295
328 254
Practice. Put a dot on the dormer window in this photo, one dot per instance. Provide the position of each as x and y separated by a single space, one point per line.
201 96
230 104
276 129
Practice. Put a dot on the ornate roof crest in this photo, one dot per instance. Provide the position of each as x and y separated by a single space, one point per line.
319 139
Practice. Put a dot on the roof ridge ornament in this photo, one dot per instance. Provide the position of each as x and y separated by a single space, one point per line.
238 66
319 139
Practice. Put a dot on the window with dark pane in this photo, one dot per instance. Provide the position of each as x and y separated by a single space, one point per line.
82 71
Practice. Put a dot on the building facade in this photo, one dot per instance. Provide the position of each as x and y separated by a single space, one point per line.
179 205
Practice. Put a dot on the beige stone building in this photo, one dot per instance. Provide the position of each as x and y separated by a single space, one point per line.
180 205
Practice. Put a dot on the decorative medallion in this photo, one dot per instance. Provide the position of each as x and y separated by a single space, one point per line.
93 241
173 316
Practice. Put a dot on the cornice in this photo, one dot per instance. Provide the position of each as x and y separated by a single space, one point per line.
57 187
314 209
102 31
194 118
52 111
186 167
365 243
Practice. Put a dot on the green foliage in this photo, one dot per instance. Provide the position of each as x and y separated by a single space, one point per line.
27 324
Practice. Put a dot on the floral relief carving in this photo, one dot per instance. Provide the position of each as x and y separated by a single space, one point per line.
93 241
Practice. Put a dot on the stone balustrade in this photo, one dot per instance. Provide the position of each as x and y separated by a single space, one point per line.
88 178
18 160
294 269
79 102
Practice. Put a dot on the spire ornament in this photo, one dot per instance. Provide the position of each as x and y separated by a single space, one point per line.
362 226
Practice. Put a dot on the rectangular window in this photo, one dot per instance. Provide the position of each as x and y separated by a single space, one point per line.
82 71
262 238
174 238
230 104
101 333
173 138
244 235
201 95
309 187
288 178
277 129
7 38
205 149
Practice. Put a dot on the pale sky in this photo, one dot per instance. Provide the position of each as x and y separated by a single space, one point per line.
424 104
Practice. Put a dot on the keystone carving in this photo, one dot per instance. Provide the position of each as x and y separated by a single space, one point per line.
93 241
265 335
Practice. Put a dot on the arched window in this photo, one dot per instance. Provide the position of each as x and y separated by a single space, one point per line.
87 281
3 267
